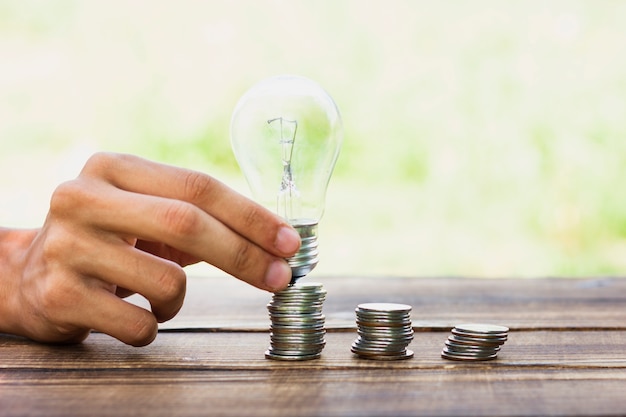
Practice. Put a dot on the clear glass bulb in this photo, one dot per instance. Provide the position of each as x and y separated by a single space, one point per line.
286 133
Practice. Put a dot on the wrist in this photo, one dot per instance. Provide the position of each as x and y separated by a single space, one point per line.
14 244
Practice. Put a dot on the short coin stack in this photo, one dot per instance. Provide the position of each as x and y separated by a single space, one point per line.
475 342
297 329
384 331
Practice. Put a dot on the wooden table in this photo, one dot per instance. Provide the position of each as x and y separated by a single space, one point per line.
566 355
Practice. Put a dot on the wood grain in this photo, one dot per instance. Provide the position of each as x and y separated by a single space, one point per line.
244 351
438 303
566 355
539 372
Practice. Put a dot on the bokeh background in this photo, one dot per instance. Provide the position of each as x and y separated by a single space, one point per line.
482 138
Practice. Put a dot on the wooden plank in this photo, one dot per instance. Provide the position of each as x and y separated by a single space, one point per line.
438 303
245 351
537 373
555 371
330 393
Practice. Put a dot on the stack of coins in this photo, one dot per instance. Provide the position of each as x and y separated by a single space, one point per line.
475 342
384 331
297 323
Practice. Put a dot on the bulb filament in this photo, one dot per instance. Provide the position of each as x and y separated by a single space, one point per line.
288 199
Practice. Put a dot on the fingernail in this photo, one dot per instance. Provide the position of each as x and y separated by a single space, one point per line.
278 275
287 240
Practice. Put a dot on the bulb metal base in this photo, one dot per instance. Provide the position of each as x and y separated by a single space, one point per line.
307 257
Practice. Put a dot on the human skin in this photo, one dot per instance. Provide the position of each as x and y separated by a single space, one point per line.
128 225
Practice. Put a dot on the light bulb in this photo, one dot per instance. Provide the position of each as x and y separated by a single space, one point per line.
286 133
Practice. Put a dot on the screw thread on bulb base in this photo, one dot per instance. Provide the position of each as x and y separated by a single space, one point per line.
307 256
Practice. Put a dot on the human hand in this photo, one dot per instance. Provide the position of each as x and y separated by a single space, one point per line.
127 225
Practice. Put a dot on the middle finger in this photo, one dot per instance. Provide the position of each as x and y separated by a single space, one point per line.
160 281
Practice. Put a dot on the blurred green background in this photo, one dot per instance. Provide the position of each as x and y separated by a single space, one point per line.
482 138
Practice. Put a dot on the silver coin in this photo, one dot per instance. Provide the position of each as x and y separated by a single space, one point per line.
387 307
297 305
392 327
295 314
475 352
279 325
312 300
270 355
408 354
296 317
286 331
479 334
303 287
305 330
295 293
377 350
480 338
283 328
469 352
304 319
382 343
447 355
385 328
385 341
309 301
460 346
302 310
298 292
385 335
370 352
277 345
384 331
384 323
383 318
478 328
293 339
296 330
298 345
295 333
465 348
476 341
298 302
296 350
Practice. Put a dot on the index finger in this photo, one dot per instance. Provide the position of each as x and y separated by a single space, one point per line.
245 217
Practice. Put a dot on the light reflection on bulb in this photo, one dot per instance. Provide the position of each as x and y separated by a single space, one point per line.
286 133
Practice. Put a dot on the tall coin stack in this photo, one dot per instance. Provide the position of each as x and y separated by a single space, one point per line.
475 342
297 323
384 331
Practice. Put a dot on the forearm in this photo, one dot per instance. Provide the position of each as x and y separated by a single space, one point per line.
14 244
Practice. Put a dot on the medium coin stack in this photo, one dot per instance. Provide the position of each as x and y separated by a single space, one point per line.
384 331
475 342
297 323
